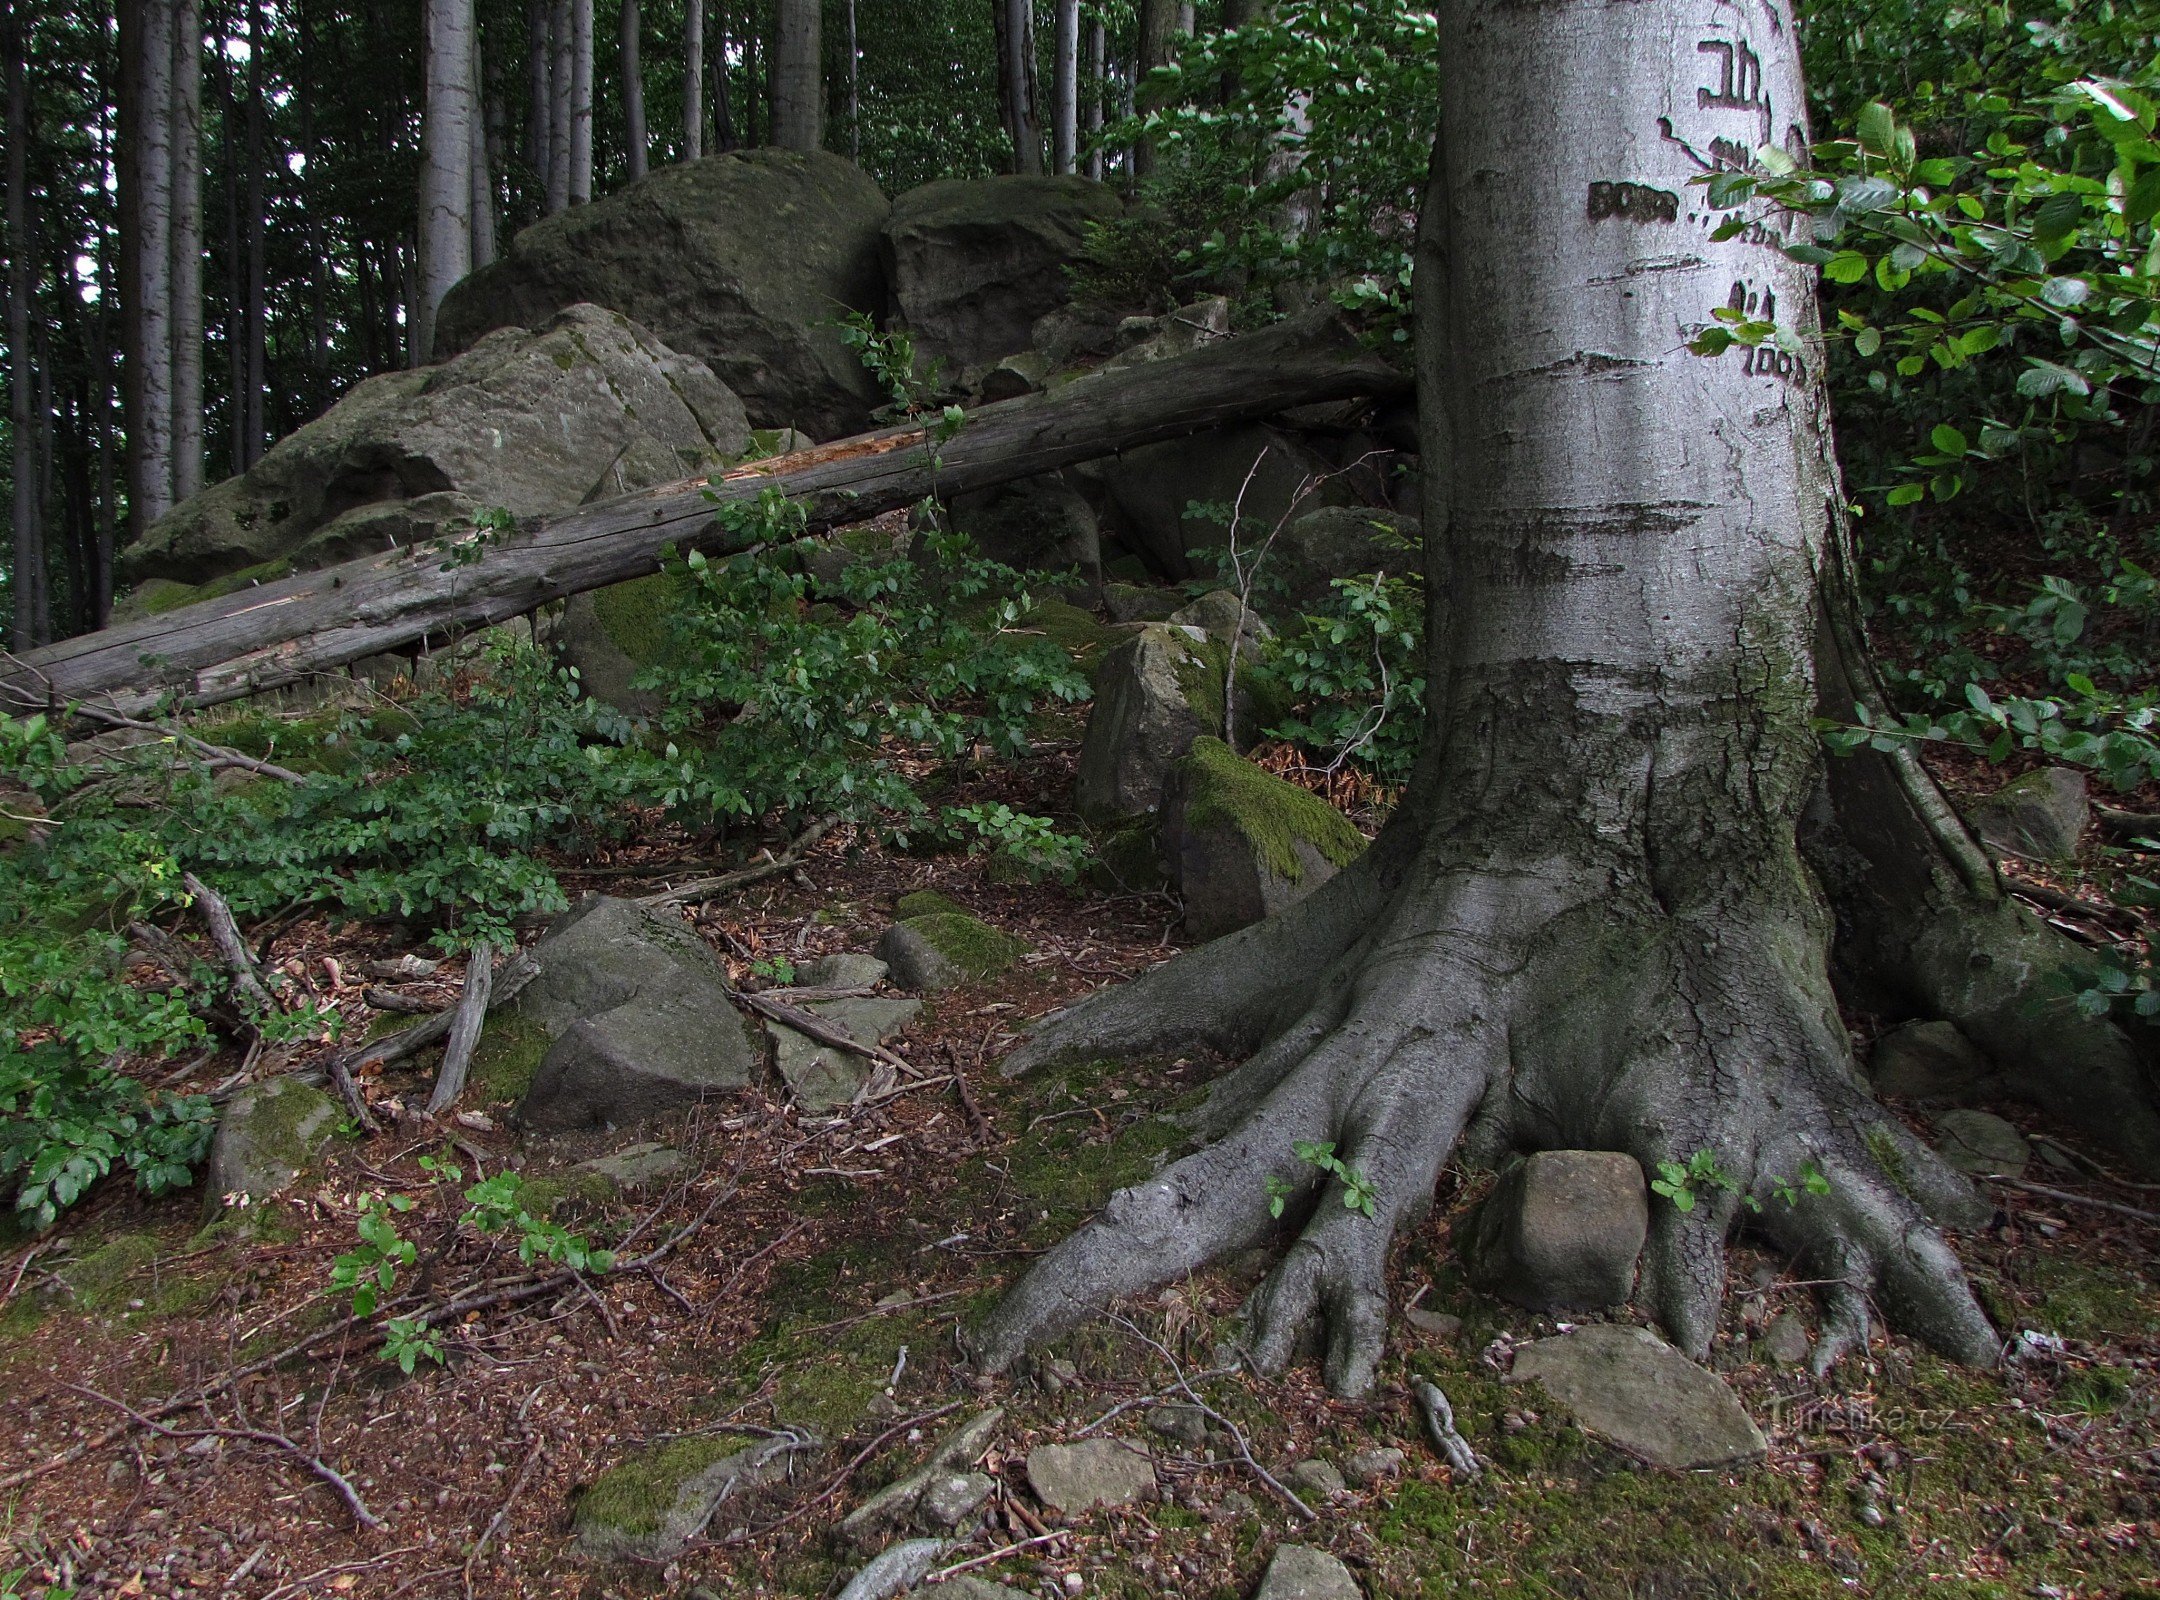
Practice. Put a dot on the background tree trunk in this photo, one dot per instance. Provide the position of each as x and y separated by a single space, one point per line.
581 101
1014 32
854 88
1158 36
26 577
1098 96
187 253
633 85
723 101
487 147
1065 88
149 381
798 74
693 104
256 224
560 75
447 131
539 99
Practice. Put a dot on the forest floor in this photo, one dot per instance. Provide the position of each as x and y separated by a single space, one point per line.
818 1268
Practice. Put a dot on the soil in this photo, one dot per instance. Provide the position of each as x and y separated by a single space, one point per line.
816 1271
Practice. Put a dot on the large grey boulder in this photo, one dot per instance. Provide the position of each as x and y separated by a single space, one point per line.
745 260
587 406
1929 1062
1072 1478
1242 844
1266 474
637 1018
270 1134
975 262
1634 1390
1562 1228
1330 542
2040 816
1154 695
1301 1572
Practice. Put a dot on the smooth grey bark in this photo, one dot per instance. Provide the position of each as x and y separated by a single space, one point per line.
633 76
1065 88
488 143
798 76
187 292
693 106
284 632
26 576
1158 42
581 102
560 74
150 344
1098 98
447 129
1014 32
1589 925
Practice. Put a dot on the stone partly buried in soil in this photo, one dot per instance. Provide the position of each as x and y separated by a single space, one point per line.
943 948
1072 1478
270 1134
821 1076
910 1497
652 1505
1981 1143
1242 844
2040 816
1637 1392
639 1016
1562 1228
1929 1062
1299 1572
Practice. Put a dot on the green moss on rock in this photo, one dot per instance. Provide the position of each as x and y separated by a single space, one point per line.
635 1497
928 903
973 946
1226 791
507 1056
636 616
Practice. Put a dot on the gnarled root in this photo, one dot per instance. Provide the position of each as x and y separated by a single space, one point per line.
1681 1033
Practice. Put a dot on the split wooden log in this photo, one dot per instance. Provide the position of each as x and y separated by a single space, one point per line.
284 632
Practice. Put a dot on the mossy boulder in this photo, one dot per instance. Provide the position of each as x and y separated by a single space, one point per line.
612 635
940 949
587 406
2039 816
746 261
1242 844
1144 718
927 903
649 1507
271 1133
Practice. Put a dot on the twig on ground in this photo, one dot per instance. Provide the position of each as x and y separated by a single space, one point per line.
315 1464
968 1104
479 1549
1152 1398
998 1554
883 1311
2078 1199
816 1028
382 999
225 934
465 1025
1440 1422
833 1485
22 1267
773 867
341 1079
2060 900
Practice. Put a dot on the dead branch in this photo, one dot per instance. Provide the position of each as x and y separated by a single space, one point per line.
225 934
465 1024
824 1032
381 999
772 867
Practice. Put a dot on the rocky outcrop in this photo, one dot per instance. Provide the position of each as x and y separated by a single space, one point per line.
1242 844
1268 474
589 406
629 1015
744 260
1038 522
974 263
1562 1228
1154 695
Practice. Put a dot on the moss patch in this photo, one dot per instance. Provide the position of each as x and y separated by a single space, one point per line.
1080 634
122 1275
637 616
635 1496
928 903
975 947
2082 1301
507 1056
1274 817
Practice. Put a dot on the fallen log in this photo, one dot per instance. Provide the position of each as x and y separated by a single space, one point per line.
281 633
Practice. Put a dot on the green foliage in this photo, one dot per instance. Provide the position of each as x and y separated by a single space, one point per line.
1032 844
1355 670
65 1123
1359 1193
1682 1182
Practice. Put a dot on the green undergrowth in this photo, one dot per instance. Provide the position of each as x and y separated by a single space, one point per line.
1228 792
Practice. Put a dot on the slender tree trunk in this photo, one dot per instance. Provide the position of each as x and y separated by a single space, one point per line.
150 344
724 135
854 88
40 591
560 54
799 76
1588 924
753 78
1014 32
257 225
231 141
633 85
537 100
26 576
1098 99
487 149
581 101
187 290
447 129
1065 89
693 101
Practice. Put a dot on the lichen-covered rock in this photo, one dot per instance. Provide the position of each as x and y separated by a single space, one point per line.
1561 1228
651 1506
2041 815
638 1018
849 969
822 1076
270 1134
1629 1387
1155 489
1154 695
1223 617
1072 1478
636 1166
746 260
974 263
1981 1143
612 635
1242 844
944 948
1929 1062
1143 340
530 423
1330 542
1315 1480
1300 1572
1037 522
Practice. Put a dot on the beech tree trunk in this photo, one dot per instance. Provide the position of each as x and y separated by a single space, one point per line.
27 575
1099 96
539 98
1589 924
1014 31
1158 36
798 74
146 136
255 436
447 130
581 101
560 73
633 88
854 88
1065 88
693 104
488 143
284 632
187 252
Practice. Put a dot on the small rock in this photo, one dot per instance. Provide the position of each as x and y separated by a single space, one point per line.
951 1496
1242 844
1370 1466
895 1570
1072 1478
1440 1324
1979 1142
949 1460
821 1076
270 1134
1220 616
1054 1374
1563 1228
1300 1572
1314 1480
850 969
2040 816
1185 1425
1154 695
946 948
649 1507
1234 1503
636 1165
1786 1339
1929 1061
1628 1386
969 1587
